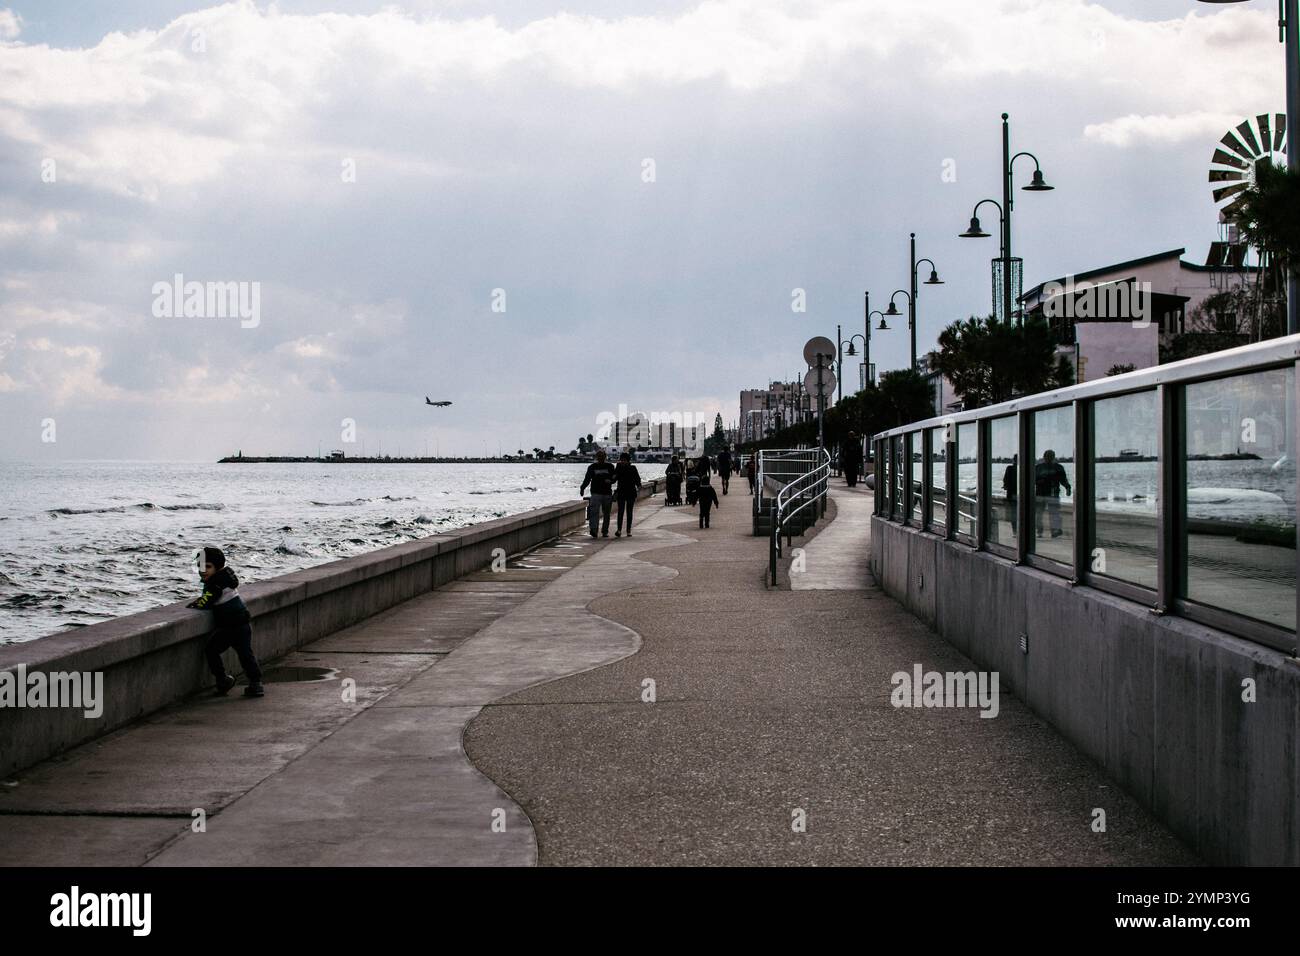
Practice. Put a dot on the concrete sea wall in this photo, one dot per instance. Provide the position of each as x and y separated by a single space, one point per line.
153 659
1156 700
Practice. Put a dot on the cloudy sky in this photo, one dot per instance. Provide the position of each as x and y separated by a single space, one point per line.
381 169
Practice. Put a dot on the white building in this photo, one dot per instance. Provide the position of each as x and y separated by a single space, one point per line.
638 432
1122 314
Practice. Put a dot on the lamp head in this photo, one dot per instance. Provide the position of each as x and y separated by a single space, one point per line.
975 231
1038 185
892 310
883 326
934 278
852 351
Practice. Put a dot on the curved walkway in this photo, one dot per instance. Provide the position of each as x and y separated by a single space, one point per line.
772 708
838 558
394 786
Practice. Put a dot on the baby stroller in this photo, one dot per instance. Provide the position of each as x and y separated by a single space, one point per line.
674 494
692 489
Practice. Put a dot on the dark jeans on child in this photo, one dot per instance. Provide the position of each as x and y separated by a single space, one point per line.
240 637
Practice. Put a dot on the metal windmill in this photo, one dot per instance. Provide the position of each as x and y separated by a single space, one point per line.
1247 146
1234 169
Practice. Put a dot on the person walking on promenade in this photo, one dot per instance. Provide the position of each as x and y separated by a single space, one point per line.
231 623
673 474
1011 488
702 466
627 483
600 475
1049 476
708 499
851 459
724 467
751 471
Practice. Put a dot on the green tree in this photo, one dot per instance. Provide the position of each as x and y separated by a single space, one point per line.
989 361
1268 213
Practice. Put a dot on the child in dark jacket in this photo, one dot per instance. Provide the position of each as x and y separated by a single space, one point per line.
708 500
230 621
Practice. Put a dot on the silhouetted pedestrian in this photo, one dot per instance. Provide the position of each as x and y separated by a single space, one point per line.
628 484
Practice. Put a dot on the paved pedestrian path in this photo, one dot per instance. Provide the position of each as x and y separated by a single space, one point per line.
618 701
838 558
771 738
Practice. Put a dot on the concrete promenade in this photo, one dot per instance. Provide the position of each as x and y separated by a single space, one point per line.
505 719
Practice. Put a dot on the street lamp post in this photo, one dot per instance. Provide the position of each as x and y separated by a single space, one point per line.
892 312
1289 33
866 357
1037 185
911 300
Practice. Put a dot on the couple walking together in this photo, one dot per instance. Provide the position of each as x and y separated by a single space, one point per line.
608 482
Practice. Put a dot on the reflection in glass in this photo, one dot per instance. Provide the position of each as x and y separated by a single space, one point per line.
938 452
899 496
1004 445
967 490
1054 484
1240 507
915 483
1125 477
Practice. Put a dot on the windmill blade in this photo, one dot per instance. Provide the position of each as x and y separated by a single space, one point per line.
1265 131
1234 144
1279 136
1248 135
1221 194
1225 176
1223 159
1233 209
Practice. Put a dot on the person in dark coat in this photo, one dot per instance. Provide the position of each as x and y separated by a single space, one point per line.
851 459
673 474
231 623
708 499
600 476
724 468
1049 477
627 483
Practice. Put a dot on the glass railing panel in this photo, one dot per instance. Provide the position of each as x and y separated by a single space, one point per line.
1004 459
1053 484
1124 521
966 494
937 450
1239 509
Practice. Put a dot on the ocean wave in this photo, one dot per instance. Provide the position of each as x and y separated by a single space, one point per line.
139 506
358 502
502 491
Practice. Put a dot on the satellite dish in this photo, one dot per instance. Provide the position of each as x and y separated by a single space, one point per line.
828 382
819 345
1232 170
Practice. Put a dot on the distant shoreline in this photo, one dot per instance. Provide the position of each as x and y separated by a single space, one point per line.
293 460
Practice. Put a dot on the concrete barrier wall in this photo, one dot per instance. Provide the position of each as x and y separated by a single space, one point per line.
153 659
1156 700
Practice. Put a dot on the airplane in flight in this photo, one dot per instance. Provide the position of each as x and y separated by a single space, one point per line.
429 401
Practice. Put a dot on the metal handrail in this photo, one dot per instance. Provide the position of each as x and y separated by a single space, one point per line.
809 488
768 458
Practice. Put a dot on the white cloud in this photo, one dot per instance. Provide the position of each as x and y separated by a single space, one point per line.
11 24
1134 130
795 142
